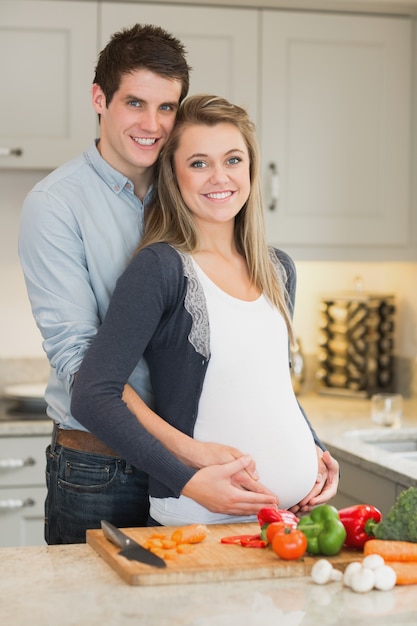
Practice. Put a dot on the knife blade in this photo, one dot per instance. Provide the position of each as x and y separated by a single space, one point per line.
130 548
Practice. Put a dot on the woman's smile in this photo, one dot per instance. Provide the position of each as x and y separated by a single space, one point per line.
219 195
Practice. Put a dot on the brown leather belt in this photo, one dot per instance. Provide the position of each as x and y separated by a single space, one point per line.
83 442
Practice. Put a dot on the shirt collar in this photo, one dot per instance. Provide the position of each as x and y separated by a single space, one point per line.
114 179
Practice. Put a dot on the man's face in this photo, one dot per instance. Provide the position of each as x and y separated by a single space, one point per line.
138 120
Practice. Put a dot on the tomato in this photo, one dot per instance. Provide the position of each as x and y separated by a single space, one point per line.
290 544
273 528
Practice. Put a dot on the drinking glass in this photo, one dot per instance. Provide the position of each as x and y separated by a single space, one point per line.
387 409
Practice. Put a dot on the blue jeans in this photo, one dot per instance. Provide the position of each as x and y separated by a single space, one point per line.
84 488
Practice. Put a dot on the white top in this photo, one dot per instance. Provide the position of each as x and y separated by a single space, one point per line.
248 402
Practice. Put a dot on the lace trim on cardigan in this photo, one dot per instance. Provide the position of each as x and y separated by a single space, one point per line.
279 268
281 273
195 305
195 302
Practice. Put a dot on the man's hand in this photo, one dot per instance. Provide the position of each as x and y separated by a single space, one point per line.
210 453
189 451
325 486
220 489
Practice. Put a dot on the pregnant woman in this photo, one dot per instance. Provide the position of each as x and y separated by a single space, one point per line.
209 305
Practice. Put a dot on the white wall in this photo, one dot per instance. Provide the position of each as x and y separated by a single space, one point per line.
319 278
20 338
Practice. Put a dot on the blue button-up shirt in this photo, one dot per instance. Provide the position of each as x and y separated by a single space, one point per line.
79 228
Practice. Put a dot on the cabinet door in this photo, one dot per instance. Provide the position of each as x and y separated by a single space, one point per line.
336 127
358 484
22 516
221 44
47 58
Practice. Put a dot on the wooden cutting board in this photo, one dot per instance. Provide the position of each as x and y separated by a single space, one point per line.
209 561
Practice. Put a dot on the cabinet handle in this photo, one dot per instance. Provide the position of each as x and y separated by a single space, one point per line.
14 463
11 151
274 189
16 503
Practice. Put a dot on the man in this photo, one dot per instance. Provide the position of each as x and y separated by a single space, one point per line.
79 228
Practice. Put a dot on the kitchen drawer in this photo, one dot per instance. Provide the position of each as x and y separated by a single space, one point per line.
22 516
22 460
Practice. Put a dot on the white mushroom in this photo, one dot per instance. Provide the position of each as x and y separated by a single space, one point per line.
323 572
372 561
363 580
337 575
352 569
385 578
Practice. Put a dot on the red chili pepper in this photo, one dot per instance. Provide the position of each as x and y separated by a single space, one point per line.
267 516
254 543
354 520
239 540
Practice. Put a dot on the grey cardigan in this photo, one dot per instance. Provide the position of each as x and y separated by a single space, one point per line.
157 311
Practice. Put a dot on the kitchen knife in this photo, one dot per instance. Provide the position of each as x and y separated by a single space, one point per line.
130 548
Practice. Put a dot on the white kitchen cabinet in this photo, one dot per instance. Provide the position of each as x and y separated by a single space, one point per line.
48 53
335 125
221 44
22 490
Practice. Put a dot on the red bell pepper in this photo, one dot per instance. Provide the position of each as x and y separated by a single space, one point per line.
269 515
354 520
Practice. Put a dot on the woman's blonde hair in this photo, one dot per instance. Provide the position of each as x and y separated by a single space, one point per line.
170 220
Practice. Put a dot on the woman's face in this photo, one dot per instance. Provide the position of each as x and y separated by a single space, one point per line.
212 170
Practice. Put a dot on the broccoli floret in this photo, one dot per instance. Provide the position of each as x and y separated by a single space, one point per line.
400 523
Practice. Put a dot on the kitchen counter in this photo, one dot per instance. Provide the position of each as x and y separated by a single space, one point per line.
16 424
73 586
335 417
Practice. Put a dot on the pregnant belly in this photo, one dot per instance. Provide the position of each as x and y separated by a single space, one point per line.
283 449
286 465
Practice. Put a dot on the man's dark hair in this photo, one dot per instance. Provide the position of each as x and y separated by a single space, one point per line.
143 46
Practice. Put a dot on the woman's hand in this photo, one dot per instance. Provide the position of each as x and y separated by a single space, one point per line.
325 486
220 489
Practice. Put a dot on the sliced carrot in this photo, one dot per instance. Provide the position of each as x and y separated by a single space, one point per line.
158 551
157 535
190 534
406 572
184 548
391 550
180 542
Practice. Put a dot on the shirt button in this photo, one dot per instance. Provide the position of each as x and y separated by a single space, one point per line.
128 186
117 188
